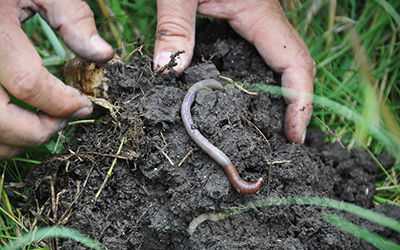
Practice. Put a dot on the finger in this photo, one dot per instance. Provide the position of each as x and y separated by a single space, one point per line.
285 51
299 100
264 24
7 151
21 128
175 32
23 75
74 21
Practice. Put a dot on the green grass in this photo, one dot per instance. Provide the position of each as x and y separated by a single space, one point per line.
357 49
372 238
126 25
357 66
52 232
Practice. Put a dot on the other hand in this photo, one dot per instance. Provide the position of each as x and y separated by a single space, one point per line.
23 75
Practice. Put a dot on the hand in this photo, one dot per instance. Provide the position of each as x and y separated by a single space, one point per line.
23 75
264 24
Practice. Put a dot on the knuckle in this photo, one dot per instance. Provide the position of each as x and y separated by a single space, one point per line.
7 152
305 61
83 12
25 85
304 56
169 26
78 13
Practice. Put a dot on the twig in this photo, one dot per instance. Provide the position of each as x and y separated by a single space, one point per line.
134 51
172 63
60 135
145 190
65 215
18 193
81 122
385 188
66 157
15 185
109 171
278 162
107 155
5 232
145 211
166 156
39 211
73 153
58 198
184 158
7 204
329 130
258 130
238 86
162 136
53 196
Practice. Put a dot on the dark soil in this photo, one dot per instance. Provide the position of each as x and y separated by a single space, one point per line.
150 198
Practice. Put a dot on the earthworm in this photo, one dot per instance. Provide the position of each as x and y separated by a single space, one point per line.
220 157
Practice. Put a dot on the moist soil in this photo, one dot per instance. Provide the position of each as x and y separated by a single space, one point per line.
161 180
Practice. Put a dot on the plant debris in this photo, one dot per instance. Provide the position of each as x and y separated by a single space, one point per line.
161 180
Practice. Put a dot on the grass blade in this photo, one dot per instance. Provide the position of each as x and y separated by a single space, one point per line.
379 132
359 232
389 9
26 160
51 232
316 201
53 39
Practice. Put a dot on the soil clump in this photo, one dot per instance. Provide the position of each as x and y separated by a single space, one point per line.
161 180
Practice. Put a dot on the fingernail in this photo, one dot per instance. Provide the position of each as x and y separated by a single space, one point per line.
83 112
99 44
87 101
303 136
163 58
62 125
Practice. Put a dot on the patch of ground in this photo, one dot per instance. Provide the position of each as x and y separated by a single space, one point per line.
151 197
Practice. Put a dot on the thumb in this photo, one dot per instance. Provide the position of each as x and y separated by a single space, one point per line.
175 32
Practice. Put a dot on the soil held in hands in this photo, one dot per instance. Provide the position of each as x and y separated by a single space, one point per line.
161 180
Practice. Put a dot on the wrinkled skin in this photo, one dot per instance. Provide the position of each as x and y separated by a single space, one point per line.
261 22
23 75
264 24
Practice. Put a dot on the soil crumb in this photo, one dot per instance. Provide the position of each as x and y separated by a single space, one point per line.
161 180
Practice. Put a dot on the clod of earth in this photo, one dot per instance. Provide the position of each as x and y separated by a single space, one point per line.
223 160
